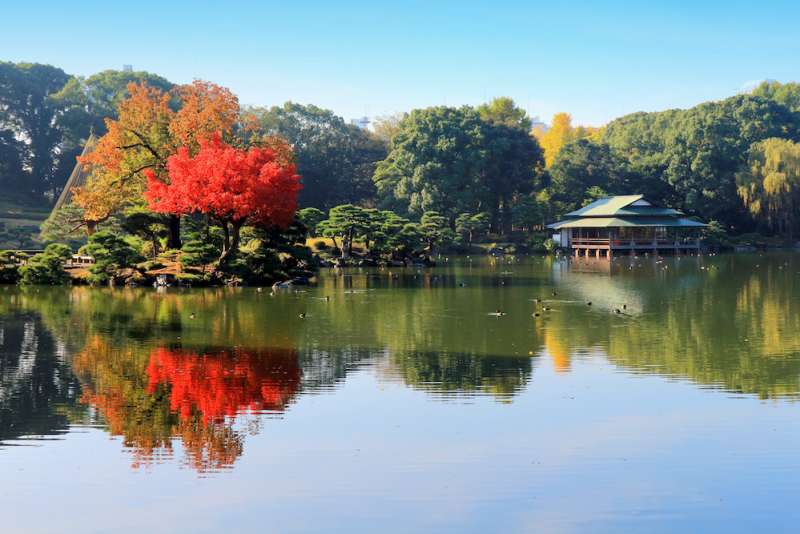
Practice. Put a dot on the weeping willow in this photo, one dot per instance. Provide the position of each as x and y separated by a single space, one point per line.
770 184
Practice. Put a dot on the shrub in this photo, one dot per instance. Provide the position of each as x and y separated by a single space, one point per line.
198 253
189 278
9 271
110 253
541 243
715 235
47 268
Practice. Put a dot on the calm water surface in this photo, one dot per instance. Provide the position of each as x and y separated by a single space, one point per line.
400 403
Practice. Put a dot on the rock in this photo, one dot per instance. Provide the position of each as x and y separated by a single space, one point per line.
286 284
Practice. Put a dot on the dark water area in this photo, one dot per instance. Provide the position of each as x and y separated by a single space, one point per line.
400 400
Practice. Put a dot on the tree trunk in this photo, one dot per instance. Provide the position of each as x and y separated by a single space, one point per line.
226 238
174 232
505 217
350 244
347 244
231 242
495 224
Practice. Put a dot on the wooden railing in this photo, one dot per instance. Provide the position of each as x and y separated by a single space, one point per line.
634 243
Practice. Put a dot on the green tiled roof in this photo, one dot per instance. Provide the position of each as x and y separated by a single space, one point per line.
605 207
651 211
620 211
614 222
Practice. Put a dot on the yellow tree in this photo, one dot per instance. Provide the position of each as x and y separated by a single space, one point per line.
99 201
559 134
769 184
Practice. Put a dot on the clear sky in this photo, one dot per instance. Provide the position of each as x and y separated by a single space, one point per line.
594 59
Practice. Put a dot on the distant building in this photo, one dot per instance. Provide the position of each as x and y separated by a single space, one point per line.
626 224
361 122
127 68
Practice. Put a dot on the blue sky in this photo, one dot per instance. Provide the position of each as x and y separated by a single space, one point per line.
596 60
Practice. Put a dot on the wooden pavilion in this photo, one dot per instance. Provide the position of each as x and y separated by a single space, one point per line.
628 224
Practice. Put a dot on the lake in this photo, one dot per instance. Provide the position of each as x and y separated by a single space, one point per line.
401 401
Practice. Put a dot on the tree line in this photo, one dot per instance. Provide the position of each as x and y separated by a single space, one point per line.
733 161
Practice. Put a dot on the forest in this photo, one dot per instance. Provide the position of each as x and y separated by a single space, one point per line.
186 171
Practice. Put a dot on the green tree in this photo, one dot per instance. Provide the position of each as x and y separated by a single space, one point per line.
345 222
152 227
111 253
697 152
435 230
528 212
787 94
452 161
468 225
436 163
46 268
335 159
407 240
391 225
513 169
87 101
503 111
9 271
582 171
197 252
28 112
311 217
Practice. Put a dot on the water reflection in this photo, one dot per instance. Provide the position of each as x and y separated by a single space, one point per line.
730 322
201 370
448 375
38 392
149 398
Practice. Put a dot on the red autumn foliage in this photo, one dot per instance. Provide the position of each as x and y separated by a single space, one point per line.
223 384
231 184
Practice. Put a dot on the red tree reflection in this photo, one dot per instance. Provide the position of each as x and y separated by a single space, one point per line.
222 384
152 399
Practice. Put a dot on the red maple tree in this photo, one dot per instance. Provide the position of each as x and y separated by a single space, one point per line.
145 134
234 186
